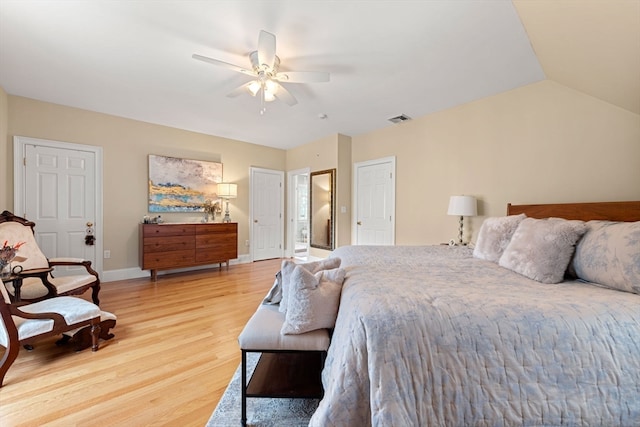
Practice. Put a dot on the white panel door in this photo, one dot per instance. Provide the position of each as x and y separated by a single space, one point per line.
267 219
374 194
60 197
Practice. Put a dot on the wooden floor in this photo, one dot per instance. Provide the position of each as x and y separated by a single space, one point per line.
174 352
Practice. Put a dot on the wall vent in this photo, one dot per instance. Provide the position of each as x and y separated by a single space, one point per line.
399 119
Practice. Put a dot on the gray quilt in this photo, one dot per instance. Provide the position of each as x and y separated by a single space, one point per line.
430 336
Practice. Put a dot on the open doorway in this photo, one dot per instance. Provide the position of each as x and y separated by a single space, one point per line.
299 213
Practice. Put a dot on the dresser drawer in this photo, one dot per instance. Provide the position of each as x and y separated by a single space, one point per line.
222 252
150 230
167 260
167 244
229 229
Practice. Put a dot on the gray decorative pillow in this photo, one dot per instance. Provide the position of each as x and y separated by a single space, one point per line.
494 236
287 269
275 293
314 300
609 254
541 249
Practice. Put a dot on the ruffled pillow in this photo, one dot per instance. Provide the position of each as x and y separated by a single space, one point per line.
287 269
314 300
541 249
494 236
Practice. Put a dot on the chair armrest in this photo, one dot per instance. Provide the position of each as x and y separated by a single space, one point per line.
15 311
74 261
67 261
35 272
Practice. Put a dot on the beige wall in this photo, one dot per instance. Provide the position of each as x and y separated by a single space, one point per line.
6 190
542 143
343 190
126 145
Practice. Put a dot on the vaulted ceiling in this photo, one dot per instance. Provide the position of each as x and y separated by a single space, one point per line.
133 58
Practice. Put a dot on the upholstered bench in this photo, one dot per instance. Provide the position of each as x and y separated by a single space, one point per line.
289 366
81 337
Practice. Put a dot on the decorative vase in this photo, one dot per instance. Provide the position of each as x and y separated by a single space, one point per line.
5 268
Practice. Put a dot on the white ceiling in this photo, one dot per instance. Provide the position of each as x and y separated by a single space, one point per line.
133 59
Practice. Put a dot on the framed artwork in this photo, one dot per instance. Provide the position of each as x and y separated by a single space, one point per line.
182 185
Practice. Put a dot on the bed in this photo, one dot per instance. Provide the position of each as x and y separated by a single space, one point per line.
435 336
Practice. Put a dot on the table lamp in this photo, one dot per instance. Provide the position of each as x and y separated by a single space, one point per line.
462 206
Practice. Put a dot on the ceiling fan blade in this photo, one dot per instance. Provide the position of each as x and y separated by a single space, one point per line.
239 90
285 96
223 64
266 49
302 77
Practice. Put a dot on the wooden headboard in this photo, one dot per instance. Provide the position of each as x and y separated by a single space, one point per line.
611 211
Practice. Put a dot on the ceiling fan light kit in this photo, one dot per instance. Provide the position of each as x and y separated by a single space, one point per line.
265 66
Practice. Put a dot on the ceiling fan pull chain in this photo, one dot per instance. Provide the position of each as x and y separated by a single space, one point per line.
263 106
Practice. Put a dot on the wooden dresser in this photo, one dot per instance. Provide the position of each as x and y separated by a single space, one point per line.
170 246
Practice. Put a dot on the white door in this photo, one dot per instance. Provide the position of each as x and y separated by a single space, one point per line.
374 201
266 216
58 186
298 213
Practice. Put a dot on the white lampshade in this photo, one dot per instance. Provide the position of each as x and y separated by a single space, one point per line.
463 206
227 190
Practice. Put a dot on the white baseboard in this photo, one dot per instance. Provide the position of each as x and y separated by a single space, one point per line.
136 272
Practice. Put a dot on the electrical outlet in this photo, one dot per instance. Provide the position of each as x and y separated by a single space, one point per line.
246 243
107 254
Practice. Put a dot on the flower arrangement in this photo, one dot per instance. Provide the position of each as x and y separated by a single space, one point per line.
8 252
210 208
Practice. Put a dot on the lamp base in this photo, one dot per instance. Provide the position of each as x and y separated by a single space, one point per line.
226 218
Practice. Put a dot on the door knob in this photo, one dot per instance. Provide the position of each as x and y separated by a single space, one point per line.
255 220
359 223
89 224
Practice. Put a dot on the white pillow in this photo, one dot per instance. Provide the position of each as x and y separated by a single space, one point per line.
609 254
314 300
541 249
494 236
287 269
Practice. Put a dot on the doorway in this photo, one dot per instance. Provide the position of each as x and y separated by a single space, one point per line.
58 185
374 202
266 213
299 213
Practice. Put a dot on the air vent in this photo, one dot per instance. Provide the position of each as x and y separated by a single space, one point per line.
399 119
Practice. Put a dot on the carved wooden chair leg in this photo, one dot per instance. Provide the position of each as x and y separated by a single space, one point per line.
10 355
94 294
95 336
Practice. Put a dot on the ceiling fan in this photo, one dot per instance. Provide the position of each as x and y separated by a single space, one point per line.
265 68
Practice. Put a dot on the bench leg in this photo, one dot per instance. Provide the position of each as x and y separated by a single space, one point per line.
244 389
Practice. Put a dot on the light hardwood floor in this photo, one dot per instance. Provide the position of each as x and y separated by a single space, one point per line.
174 352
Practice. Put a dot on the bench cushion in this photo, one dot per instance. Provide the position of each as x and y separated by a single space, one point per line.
262 332
104 315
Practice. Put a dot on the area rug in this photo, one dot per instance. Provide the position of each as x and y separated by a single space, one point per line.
261 412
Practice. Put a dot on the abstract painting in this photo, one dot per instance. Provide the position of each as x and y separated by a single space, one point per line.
182 185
